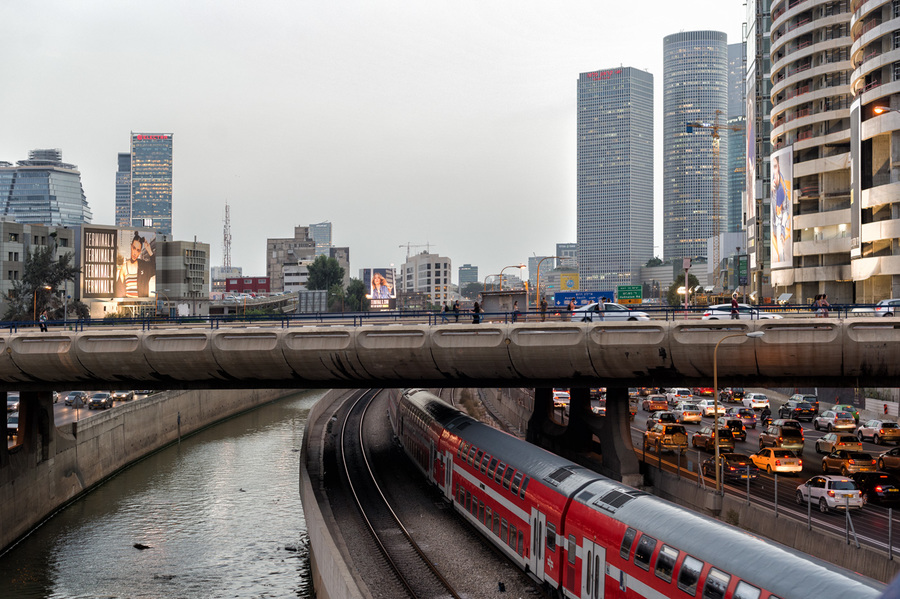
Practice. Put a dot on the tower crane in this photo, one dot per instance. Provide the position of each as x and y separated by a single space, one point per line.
715 126
427 246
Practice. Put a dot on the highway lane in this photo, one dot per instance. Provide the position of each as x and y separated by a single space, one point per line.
870 524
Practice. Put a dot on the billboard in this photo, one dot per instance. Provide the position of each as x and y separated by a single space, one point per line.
781 208
569 281
118 263
380 289
750 170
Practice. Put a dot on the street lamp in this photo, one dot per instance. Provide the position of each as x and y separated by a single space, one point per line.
753 335
485 282
36 289
537 287
166 305
519 266
883 109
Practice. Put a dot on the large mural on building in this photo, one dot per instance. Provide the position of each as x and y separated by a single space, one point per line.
781 208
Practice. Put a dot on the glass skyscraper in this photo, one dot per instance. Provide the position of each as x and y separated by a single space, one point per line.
43 190
123 191
695 89
615 177
151 182
321 234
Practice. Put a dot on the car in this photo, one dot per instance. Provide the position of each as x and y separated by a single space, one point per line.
100 401
784 434
829 420
747 416
705 438
610 312
807 397
886 307
847 462
76 399
652 403
830 493
676 395
123 395
666 437
797 410
687 412
756 401
736 425
889 460
745 312
561 398
55 396
845 407
703 391
832 441
735 467
664 417
878 488
880 431
12 402
709 407
737 393
775 459
728 394
12 424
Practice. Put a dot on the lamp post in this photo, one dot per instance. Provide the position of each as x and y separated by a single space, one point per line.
537 287
753 335
485 282
883 109
36 289
519 266
166 305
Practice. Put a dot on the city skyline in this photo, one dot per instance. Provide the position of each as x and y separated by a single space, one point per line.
399 124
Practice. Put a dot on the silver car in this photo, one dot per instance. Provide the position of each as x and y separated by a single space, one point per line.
745 312
610 312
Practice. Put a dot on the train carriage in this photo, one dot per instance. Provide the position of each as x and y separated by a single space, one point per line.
587 536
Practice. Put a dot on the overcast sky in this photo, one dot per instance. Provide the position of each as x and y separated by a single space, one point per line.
448 123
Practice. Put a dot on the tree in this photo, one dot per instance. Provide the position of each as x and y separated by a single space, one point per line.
324 273
42 269
654 262
672 296
355 296
471 290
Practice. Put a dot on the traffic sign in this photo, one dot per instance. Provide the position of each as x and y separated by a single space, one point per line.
629 294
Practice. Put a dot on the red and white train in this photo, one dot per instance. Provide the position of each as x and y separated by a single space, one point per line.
588 536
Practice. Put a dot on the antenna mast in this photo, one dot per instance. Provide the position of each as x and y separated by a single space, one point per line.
226 242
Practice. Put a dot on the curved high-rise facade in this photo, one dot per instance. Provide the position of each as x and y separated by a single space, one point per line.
43 190
810 199
874 236
695 90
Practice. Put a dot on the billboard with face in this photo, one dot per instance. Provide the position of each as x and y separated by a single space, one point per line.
750 206
781 212
118 263
380 289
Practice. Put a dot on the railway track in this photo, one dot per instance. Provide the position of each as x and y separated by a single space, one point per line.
411 567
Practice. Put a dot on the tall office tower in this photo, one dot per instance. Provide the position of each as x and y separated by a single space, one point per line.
428 274
151 182
810 201
758 110
321 234
43 190
735 80
568 255
123 191
467 274
737 165
695 90
874 233
615 177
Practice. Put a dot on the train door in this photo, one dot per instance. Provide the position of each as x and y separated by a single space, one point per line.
593 570
536 557
434 466
448 475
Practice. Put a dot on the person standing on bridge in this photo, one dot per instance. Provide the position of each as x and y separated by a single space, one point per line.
822 306
735 315
543 309
43 321
456 309
476 313
515 311
444 312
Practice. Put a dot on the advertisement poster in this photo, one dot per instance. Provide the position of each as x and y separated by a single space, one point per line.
569 281
750 171
382 293
781 213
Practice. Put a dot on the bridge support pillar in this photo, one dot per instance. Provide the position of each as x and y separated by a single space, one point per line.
615 438
542 431
578 433
36 424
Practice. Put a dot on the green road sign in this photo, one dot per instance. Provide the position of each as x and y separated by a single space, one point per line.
629 294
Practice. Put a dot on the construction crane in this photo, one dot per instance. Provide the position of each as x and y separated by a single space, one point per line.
427 246
717 217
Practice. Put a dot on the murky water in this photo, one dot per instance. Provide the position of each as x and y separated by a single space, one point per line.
220 513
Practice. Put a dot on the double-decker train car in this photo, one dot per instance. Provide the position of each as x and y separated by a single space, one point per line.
585 535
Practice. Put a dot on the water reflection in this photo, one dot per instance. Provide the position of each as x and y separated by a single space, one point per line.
220 513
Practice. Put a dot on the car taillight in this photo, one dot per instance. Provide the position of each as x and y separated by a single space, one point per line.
878 489
851 461
831 493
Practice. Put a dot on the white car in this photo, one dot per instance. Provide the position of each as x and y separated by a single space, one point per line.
776 459
687 412
610 312
560 398
707 407
677 395
757 401
886 307
745 312
830 493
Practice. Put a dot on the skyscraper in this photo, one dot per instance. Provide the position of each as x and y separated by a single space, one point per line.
151 182
123 190
615 177
43 190
321 234
695 89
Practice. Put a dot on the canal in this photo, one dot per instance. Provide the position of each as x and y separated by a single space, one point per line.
218 513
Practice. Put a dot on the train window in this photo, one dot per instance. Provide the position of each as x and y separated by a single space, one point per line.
747 591
716 584
496 525
597 576
573 549
468 501
512 537
515 483
480 512
463 449
689 575
504 531
460 495
625 549
521 548
665 562
472 454
474 509
644 551
551 538
589 566
508 477
484 462
478 457
492 466
487 517
498 476
524 486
